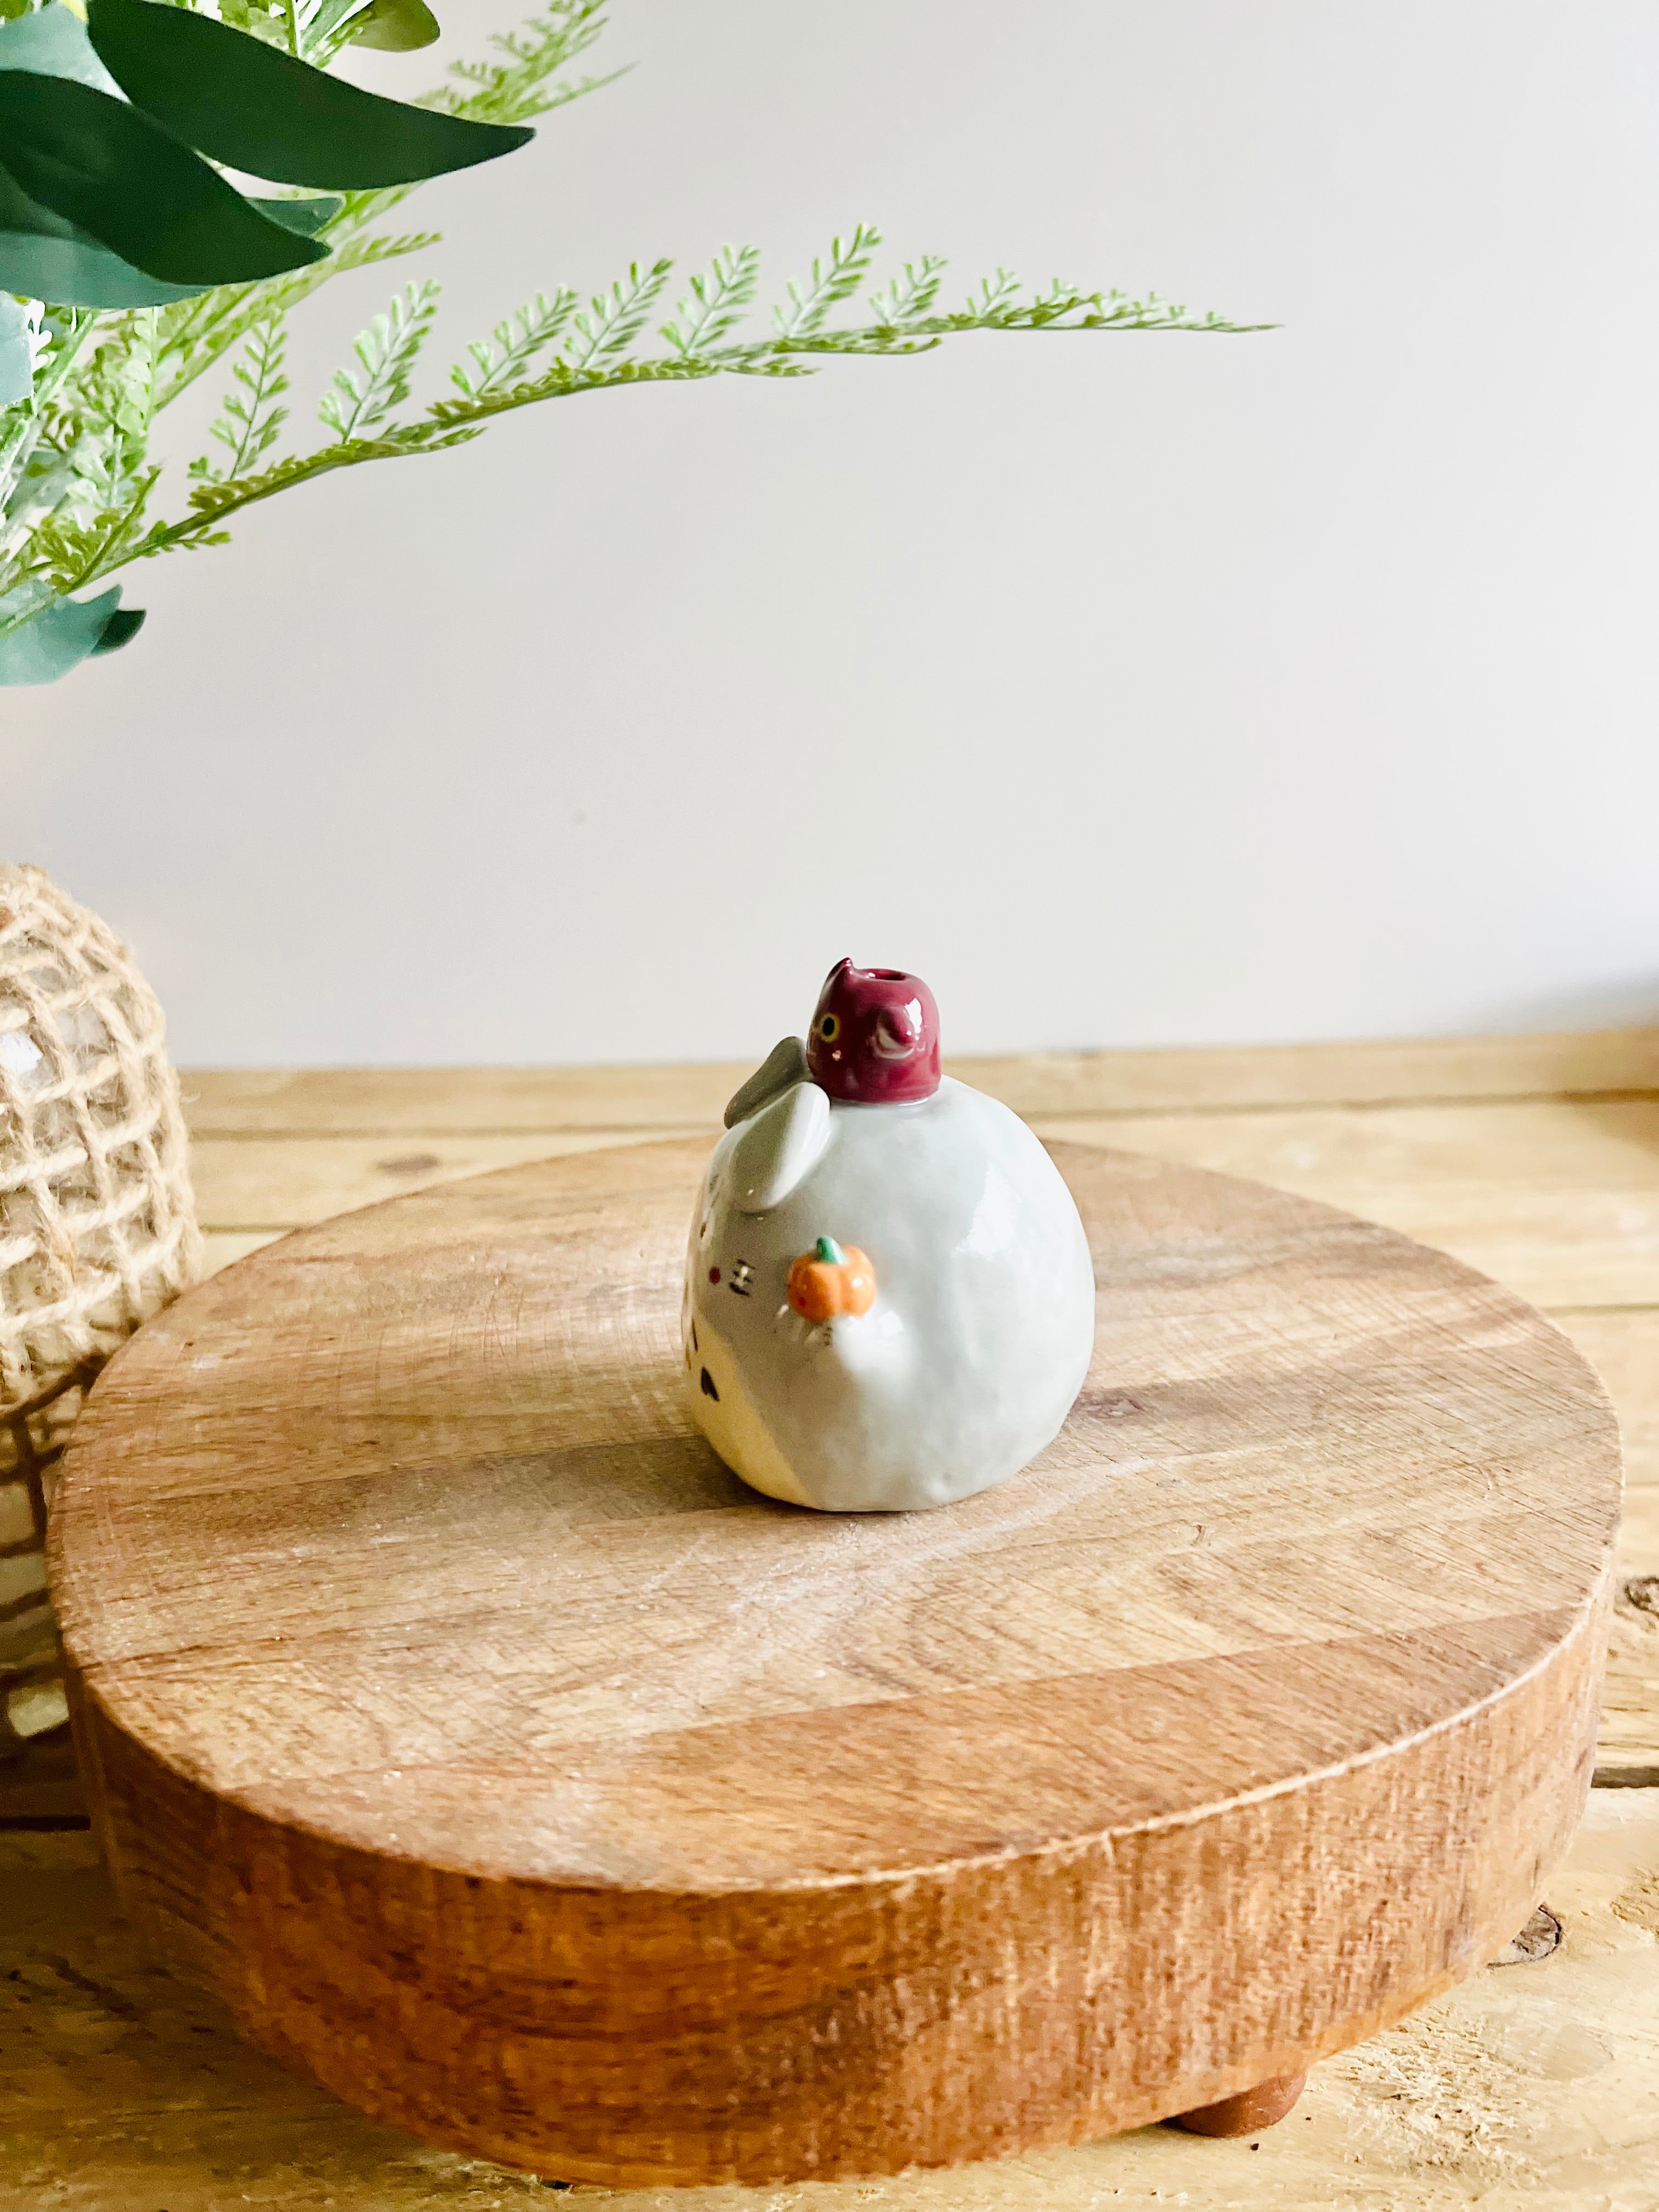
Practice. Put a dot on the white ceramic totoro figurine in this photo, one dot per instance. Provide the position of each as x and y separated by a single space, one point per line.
889 1301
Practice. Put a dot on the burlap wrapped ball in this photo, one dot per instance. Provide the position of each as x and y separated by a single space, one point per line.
97 1226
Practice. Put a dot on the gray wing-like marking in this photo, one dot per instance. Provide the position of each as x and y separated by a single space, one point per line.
783 1142
786 1064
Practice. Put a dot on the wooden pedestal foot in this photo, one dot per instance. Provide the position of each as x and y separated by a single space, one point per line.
1252 2109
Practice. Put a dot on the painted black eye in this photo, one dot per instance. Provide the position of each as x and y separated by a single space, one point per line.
830 1028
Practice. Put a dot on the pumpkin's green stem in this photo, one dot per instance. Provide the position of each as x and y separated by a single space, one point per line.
827 1248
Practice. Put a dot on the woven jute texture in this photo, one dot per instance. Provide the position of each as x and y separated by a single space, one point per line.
97 1225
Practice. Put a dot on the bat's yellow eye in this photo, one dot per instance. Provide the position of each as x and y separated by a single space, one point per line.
830 1028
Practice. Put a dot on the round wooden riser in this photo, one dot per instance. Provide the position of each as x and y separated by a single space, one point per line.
506 1765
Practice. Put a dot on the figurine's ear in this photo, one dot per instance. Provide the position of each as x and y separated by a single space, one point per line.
785 1064
779 1146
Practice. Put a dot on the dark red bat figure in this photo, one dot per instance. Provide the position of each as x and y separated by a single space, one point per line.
875 1036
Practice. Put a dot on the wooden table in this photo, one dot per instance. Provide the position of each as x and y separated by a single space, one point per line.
1536 1159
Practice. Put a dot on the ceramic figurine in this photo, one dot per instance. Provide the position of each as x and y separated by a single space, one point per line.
890 1300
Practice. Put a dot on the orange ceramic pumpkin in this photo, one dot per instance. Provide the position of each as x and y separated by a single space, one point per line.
827 1281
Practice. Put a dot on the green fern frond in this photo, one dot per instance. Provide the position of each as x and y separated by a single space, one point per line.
995 293
810 304
515 89
67 553
251 421
505 355
600 361
911 294
355 405
718 301
613 319
94 436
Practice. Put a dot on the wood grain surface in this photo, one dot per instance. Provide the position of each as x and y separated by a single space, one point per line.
1565 1215
497 1758
1590 1064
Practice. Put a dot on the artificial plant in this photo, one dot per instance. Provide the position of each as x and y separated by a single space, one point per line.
130 264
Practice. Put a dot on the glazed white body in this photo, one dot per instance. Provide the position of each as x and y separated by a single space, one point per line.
980 1336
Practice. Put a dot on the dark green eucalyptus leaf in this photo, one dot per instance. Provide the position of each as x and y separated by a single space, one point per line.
123 626
45 258
41 254
307 217
63 635
114 174
397 27
243 103
16 361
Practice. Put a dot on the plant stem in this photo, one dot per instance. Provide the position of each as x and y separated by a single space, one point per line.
450 422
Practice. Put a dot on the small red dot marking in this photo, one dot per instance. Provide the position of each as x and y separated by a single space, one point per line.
714 1274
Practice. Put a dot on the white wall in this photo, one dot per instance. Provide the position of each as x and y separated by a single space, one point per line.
1131 689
